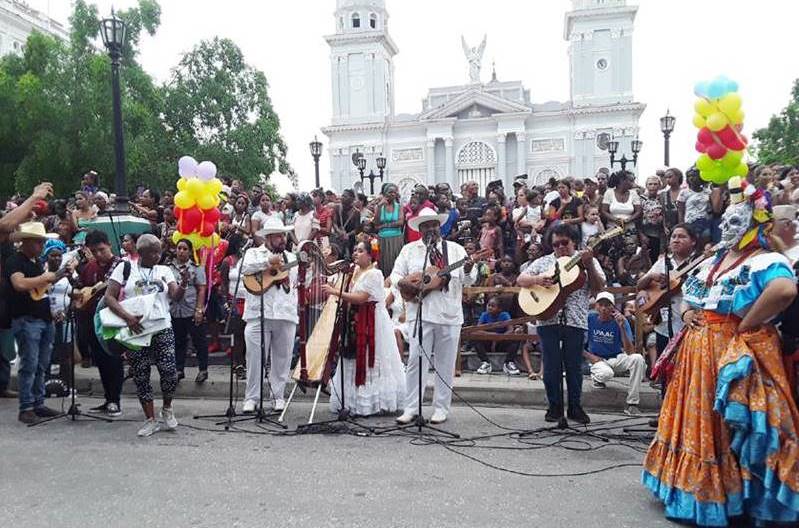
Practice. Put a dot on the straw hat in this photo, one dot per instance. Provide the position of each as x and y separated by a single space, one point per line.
31 230
273 225
427 215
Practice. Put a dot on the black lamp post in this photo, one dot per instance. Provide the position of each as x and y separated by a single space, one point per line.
613 148
113 33
667 127
316 152
360 163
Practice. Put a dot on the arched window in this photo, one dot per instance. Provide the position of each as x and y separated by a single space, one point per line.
356 20
476 161
373 21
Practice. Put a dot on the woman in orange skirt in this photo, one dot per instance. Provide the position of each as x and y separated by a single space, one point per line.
727 443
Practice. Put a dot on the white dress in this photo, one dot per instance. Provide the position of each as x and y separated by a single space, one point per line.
384 390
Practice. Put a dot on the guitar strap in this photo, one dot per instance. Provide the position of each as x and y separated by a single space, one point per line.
285 284
444 260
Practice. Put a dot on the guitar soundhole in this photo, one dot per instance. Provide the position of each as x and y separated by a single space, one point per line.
534 296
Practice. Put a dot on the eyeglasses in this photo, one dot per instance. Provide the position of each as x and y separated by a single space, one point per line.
561 243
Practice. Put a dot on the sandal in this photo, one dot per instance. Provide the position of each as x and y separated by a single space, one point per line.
532 376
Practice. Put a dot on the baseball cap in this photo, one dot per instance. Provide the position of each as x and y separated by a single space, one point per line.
605 296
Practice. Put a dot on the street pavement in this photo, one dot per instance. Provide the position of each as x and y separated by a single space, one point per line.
91 474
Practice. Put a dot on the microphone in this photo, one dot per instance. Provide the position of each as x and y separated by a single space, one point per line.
429 238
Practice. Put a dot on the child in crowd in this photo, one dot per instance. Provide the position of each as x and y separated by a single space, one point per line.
592 226
494 314
491 234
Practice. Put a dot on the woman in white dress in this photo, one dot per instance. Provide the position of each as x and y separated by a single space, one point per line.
382 389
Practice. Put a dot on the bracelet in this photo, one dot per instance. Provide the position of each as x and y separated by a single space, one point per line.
682 317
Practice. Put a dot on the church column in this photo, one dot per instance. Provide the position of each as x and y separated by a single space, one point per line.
431 161
521 156
450 159
501 163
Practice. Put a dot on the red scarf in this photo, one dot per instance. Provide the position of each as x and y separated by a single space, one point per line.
364 341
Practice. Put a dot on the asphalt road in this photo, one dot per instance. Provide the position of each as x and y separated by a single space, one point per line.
92 474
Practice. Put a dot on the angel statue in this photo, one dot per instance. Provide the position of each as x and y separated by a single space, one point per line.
475 57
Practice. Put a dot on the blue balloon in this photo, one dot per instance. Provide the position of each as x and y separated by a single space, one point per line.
732 86
700 89
716 89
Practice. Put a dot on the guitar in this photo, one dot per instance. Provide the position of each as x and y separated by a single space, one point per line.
37 294
652 299
419 284
259 282
543 302
82 298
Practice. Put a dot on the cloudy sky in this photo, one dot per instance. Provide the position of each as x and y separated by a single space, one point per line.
676 43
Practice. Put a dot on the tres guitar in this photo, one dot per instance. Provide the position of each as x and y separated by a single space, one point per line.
82 298
258 283
543 302
37 294
652 299
420 283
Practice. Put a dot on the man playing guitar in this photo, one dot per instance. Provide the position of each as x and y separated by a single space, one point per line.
442 315
280 315
562 336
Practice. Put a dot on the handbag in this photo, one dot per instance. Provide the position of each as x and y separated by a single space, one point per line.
664 366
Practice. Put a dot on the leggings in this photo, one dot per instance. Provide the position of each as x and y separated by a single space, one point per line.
160 353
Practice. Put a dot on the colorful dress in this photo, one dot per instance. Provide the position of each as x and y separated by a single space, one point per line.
727 442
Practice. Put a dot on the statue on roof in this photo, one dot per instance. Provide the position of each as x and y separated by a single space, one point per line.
475 58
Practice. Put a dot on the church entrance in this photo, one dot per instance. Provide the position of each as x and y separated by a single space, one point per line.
477 162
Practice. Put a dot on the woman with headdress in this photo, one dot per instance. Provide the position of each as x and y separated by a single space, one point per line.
727 444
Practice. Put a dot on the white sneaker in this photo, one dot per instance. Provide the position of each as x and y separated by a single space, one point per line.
113 410
248 407
149 427
406 418
439 416
510 369
280 405
168 416
485 368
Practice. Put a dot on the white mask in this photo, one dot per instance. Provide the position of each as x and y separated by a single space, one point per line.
735 222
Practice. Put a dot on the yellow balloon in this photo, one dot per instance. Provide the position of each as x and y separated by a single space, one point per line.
205 201
208 188
184 200
176 236
704 107
216 186
699 121
182 184
717 121
737 118
195 187
215 238
730 104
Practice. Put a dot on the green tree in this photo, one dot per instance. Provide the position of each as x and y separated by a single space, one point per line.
779 141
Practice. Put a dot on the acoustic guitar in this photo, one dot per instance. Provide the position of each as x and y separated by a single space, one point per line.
543 302
82 298
37 294
259 282
420 284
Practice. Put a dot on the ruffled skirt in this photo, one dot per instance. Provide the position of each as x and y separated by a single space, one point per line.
727 443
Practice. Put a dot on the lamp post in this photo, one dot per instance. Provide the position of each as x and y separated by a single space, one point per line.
667 127
316 152
360 163
613 148
113 33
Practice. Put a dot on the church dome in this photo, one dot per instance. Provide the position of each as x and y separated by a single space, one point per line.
361 15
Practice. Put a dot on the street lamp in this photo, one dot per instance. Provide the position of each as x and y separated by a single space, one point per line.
613 148
316 152
667 127
360 163
113 33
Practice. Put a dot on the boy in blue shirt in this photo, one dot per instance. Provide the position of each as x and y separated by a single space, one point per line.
611 351
493 314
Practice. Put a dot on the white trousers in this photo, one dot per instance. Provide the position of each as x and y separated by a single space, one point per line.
604 371
443 341
279 343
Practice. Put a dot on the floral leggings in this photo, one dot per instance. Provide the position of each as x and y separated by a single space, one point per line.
160 353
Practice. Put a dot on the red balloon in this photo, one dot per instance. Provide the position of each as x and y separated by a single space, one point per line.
730 139
221 249
207 229
700 147
716 151
211 215
705 136
192 218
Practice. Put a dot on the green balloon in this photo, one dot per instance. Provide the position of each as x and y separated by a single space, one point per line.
741 170
704 162
731 159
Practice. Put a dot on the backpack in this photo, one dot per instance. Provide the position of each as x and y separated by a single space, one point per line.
109 347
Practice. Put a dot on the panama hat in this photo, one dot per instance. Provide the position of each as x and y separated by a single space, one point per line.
784 212
427 215
273 225
32 230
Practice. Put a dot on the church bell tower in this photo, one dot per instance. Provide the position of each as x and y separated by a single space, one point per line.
361 61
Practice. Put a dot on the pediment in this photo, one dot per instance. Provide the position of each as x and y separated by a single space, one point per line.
474 104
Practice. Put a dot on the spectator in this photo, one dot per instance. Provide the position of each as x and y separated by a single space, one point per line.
101 202
324 216
566 207
494 314
652 218
611 351
445 206
592 226
83 209
693 204
188 318
240 221
306 224
89 183
389 223
602 175
264 211
129 251
411 211
491 234
668 198
346 222
621 205
591 195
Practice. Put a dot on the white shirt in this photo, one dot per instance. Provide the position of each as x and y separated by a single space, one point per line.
143 281
623 210
278 305
304 224
676 301
261 217
440 306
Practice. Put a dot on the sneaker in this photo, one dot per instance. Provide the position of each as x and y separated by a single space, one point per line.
510 369
113 410
100 409
597 384
201 376
149 427
46 412
578 415
485 368
632 410
279 405
439 416
28 417
553 414
248 407
406 417
168 416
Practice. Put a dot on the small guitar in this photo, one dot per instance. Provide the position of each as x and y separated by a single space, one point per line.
37 294
82 298
259 282
419 284
543 302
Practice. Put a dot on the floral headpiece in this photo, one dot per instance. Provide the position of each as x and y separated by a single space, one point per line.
762 212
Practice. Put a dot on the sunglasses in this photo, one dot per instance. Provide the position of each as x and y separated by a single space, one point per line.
561 243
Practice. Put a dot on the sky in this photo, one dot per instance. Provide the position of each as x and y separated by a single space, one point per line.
675 44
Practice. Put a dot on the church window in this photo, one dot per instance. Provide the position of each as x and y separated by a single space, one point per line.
341 22
356 20
373 21
476 161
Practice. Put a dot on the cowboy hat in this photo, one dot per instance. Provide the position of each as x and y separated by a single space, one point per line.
273 225
30 230
427 215
784 212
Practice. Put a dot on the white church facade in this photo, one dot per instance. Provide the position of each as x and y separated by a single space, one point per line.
480 131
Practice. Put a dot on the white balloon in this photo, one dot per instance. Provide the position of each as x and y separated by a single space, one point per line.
187 167
206 171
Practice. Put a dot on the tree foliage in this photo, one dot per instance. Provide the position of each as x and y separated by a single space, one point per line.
779 141
56 113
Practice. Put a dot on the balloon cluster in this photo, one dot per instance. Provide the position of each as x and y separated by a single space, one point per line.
719 118
196 203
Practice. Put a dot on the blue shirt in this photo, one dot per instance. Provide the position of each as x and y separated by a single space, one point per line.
454 215
604 337
487 318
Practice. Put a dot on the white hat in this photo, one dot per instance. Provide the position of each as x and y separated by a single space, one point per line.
591 178
784 212
34 230
272 225
427 215
101 194
605 296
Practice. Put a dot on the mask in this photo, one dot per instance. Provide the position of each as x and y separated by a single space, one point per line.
735 222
